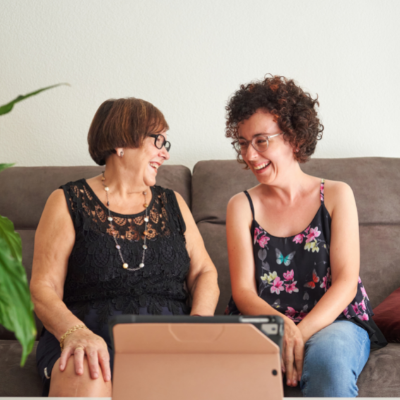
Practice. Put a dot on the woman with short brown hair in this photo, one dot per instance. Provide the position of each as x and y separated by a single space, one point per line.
114 244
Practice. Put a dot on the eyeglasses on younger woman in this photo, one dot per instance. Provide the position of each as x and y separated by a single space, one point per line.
259 142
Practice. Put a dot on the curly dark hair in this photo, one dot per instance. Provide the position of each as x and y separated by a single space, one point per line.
294 109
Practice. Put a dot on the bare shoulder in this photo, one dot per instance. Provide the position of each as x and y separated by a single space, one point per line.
337 194
238 201
337 189
239 209
181 202
57 200
185 210
179 197
56 209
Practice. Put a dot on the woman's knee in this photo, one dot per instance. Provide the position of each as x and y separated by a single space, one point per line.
333 360
68 383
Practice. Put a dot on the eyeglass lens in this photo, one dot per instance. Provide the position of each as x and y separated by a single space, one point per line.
160 142
260 143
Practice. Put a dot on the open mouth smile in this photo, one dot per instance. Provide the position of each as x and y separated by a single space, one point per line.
154 165
262 167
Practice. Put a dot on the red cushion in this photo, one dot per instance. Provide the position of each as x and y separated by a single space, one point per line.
387 317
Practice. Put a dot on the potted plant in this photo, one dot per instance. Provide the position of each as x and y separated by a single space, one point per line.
16 308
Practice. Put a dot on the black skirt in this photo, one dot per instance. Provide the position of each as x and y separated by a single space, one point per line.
48 350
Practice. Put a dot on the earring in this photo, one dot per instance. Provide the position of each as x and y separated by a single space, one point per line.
121 154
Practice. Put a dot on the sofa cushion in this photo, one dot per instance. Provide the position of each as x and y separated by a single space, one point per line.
214 236
371 178
387 317
213 184
27 188
15 380
380 260
380 376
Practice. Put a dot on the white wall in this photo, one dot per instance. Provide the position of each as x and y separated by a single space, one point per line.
187 57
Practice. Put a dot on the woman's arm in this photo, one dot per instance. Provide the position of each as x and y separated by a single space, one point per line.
344 258
54 240
244 290
241 261
202 280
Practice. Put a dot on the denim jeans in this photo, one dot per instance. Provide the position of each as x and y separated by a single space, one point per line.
334 358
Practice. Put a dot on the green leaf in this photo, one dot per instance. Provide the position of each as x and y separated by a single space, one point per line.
5 166
16 308
12 238
9 106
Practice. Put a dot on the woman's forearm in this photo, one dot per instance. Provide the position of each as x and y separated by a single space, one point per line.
52 311
205 293
328 308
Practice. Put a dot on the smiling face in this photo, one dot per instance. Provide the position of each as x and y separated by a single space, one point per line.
146 159
271 165
155 157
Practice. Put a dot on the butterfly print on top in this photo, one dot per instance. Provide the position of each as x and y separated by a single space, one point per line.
292 274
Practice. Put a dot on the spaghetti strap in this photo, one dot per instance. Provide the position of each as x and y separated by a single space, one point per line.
250 201
322 190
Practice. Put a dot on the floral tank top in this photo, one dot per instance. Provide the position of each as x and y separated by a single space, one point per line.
293 273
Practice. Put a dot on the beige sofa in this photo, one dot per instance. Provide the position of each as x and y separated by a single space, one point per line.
376 185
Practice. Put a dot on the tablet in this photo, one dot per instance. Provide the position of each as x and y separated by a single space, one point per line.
197 358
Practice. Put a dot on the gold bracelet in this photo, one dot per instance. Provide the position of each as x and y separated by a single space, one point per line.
69 331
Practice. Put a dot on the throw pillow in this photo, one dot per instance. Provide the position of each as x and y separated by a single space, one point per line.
387 317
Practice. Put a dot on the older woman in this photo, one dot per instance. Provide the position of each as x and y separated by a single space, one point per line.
293 242
114 244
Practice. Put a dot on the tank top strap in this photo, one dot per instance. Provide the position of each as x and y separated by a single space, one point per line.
250 201
322 187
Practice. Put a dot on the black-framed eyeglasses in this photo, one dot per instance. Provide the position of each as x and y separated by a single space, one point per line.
259 142
160 141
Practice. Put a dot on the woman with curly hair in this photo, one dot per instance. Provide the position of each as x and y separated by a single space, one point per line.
301 259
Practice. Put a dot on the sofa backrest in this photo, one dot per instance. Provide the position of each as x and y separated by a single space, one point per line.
26 189
375 182
376 186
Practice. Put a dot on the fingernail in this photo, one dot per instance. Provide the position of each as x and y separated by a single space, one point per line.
288 382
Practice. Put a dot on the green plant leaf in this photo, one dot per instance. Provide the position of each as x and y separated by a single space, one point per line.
5 166
16 308
11 237
6 108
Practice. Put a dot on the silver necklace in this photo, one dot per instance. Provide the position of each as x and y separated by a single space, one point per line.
111 219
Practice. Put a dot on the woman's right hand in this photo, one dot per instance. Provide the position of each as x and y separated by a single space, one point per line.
84 342
292 353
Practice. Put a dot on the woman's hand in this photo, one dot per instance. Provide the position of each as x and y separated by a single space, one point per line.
84 342
292 353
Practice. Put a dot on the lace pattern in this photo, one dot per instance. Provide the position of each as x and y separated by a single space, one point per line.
95 276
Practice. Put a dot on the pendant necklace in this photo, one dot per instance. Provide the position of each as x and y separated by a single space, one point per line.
111 219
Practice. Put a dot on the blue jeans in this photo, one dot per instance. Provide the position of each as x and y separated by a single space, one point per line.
334 358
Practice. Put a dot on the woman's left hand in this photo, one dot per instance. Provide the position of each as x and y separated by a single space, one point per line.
292 353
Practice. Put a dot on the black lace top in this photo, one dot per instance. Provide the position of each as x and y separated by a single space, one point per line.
96 278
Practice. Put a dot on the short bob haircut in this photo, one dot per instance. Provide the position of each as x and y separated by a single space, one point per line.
122 123
294 109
